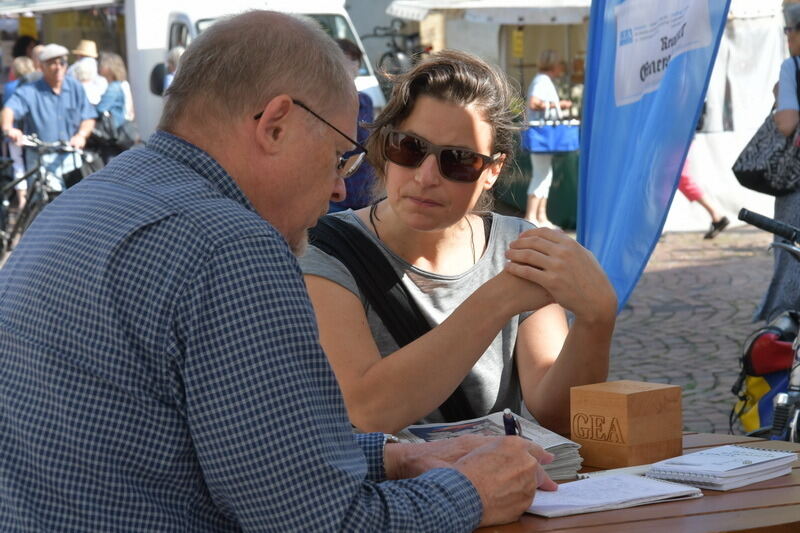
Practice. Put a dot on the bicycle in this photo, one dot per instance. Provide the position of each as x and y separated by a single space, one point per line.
43 187
405 50
786 415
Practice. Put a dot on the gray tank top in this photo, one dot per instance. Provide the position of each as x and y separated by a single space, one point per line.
492 384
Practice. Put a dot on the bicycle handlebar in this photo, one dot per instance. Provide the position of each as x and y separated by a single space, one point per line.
33 141
781 229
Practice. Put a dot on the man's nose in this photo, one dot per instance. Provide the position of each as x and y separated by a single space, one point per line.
339 192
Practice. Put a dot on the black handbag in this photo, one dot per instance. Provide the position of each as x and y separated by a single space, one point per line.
106 135
770 162
381 286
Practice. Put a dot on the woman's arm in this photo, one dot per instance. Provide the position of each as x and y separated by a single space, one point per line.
786 117
786 121
389 393
551 358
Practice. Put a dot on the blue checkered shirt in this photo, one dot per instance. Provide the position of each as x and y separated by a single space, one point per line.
160 371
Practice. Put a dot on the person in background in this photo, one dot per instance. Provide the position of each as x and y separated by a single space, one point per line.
24 46
173 60
55 108
22 67
112 68
36 52
542 98
359 185
87 75
86 62
161 360
689 188
27 46
783 293
499 330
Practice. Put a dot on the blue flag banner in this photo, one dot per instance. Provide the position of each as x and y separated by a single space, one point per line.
647 72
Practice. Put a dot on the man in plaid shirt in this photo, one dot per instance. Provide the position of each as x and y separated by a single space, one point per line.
160 361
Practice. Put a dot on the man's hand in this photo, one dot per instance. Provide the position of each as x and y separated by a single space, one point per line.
78 141
409 460
15 135
506 471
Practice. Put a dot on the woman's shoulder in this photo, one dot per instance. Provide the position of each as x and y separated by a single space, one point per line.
508 222
506 228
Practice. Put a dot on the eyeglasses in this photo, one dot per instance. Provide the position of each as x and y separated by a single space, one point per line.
455 164
348 161
790 29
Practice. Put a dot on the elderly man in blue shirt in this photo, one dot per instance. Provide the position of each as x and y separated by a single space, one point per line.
161 365
55 108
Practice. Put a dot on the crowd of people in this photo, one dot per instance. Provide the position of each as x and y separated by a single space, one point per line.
60 102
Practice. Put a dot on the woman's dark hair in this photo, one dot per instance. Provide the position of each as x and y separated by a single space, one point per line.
455 77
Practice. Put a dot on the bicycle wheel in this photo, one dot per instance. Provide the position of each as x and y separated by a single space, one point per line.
32 208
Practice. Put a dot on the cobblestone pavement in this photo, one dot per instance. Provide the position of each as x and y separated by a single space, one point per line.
688 317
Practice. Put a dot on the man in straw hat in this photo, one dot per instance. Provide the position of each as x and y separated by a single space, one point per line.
84 69
161 362
55 108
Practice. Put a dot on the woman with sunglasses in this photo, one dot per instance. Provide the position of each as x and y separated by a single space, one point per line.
499 331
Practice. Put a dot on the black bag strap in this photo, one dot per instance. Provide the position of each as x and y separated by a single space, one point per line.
381 286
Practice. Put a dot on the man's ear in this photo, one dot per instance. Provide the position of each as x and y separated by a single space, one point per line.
493 172
271 125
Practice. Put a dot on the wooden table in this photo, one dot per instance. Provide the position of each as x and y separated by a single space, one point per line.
772 505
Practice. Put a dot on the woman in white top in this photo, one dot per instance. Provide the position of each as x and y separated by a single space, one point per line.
542 95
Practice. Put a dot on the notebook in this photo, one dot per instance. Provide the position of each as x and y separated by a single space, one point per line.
724 467
602 493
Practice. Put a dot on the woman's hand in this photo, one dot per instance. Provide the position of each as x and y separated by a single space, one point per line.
566 270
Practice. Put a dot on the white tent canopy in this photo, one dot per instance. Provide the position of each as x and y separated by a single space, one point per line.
498 11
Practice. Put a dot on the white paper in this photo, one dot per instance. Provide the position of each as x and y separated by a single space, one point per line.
607 492
651 34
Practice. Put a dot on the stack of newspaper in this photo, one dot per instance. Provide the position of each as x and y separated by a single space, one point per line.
567 460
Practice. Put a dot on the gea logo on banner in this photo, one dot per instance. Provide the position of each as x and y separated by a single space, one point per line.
654 33
597 427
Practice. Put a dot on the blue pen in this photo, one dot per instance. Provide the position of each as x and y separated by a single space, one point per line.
511 424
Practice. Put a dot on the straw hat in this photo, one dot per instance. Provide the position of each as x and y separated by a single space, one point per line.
86 48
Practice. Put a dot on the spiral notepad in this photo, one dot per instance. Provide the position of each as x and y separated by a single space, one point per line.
724 467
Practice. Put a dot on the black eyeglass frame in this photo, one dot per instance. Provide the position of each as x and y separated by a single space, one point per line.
437 150
789 29
359 148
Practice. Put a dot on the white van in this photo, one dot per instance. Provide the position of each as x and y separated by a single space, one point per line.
183 20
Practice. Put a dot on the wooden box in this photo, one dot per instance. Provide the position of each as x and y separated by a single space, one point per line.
626 423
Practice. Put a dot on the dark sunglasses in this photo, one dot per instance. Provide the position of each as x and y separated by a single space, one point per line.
455 164
348 161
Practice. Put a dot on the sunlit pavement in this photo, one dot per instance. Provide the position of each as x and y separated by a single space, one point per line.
688 317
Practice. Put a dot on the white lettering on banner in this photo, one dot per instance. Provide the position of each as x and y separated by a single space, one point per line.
650 35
